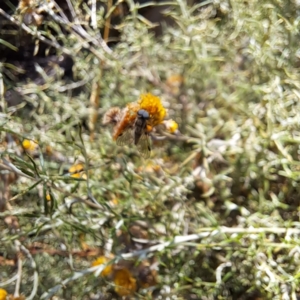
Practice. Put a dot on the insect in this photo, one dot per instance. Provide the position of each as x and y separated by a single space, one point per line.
32 11
140 125
133 123
137 134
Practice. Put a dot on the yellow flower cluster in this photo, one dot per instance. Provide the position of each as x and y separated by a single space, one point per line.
137 120
125 283
125 118
154 107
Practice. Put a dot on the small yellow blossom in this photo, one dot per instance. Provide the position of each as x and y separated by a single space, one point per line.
175 80
149 168
76 171
49 150
114 202
76 168
29 145
48 197
154 107
125 283
171 126
104 260
3 294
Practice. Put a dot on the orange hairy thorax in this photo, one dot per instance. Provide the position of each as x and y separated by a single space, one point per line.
127 119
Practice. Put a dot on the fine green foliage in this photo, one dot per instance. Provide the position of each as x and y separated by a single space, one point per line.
216 207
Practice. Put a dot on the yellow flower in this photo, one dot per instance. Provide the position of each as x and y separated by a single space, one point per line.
101 261
76 168
125 283
29 145
49 150
154 107
77 171
171 126
3 294
114 202
175 80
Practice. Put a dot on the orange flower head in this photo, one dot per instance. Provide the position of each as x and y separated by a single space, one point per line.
101 261
125 283
154 107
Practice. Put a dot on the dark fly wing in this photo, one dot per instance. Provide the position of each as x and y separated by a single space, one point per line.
144 145
125 138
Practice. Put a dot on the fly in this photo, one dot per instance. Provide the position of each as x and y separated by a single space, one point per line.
140 125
